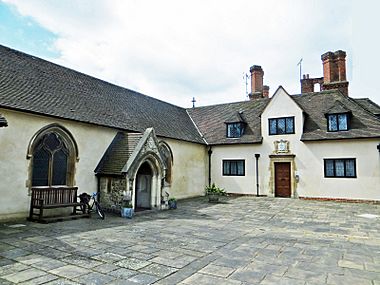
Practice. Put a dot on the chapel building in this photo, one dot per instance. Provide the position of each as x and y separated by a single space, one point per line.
60 127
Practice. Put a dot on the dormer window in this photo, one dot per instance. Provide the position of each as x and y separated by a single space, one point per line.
235 125
235 130
337 122
338 117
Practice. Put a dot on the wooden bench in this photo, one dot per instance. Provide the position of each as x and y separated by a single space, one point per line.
51 198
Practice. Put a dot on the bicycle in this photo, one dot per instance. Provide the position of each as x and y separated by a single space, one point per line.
85 200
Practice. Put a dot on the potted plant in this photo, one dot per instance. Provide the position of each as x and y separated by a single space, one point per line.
213 192
127 210
172 203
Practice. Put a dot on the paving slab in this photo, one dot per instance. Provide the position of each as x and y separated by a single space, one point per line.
244 240
40 280
24 275
69 271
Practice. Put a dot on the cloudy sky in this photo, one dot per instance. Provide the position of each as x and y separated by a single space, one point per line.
176 50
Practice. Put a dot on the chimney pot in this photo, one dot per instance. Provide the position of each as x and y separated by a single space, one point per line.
265 91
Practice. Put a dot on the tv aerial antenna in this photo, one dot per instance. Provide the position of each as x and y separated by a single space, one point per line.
245 78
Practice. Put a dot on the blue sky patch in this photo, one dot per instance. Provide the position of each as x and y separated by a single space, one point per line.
25 34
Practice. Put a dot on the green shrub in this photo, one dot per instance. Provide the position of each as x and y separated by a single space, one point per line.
214 190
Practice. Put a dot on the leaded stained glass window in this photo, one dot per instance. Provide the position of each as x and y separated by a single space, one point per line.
40 167
233 167
345 167
337 122
50 161
235 130
280 126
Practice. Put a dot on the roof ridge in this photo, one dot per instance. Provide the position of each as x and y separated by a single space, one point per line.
84 74
229 103
360 106
30 80
368 100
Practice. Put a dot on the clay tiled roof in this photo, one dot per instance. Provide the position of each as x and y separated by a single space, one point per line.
30 84
115 157
211 121
3 121
363 123
236 118
369 105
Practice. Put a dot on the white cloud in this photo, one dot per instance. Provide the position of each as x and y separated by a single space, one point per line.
176 50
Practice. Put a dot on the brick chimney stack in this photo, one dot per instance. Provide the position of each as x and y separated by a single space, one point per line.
334 71
341 64
334 74
257 81
307 83
265 91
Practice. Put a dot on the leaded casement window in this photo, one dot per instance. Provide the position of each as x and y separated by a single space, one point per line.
50 160
235 130
281 126
340 167
337 122
234 167
53 154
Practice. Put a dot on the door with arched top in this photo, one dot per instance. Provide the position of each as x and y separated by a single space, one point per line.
143 187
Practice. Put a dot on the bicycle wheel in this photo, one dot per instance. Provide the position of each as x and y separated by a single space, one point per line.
100 211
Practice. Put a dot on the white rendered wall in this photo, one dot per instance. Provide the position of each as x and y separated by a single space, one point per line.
189 171
235 184
309 158
92 142
308 161
311 170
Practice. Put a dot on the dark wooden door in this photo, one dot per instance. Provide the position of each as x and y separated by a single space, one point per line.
282 179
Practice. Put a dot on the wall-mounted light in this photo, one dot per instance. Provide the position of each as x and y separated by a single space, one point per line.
297 176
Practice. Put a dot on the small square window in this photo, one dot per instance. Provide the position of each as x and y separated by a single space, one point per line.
340 168
233 167
337 122
235 130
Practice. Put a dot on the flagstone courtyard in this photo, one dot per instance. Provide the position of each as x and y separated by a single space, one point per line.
243 240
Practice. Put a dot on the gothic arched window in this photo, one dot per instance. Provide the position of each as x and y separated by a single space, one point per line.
53 154
167 156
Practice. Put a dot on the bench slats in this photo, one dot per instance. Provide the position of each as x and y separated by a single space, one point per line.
50 198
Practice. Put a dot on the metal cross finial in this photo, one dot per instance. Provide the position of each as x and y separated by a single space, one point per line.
193 102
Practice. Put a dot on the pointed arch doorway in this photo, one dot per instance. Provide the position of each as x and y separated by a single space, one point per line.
143 190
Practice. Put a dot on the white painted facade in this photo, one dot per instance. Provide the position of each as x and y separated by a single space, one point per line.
307 165
191 160
189 175
189 167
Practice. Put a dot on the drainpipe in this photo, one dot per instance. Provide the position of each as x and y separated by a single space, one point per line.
209 165
98 188
257 155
